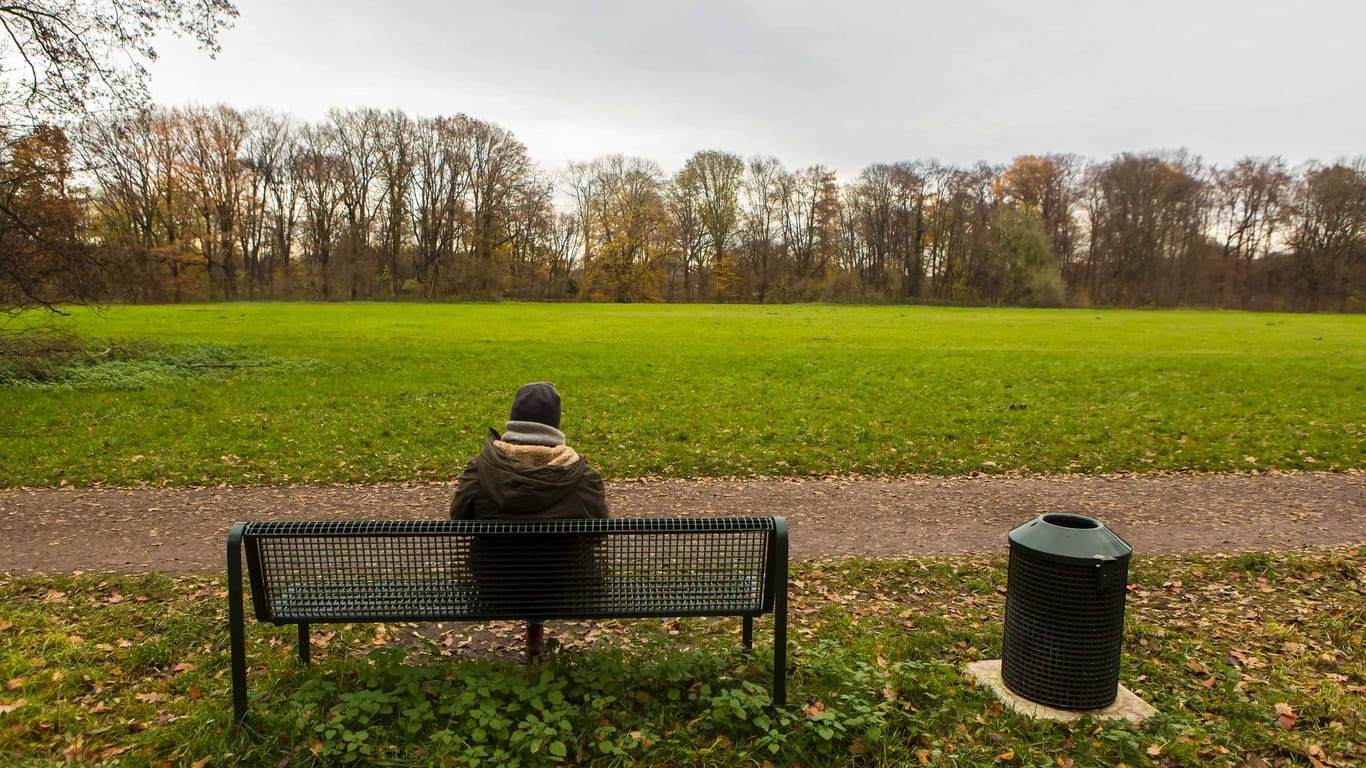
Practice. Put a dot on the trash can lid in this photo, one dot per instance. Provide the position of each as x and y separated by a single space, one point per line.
1070 537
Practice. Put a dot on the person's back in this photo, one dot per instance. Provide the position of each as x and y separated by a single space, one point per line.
529 473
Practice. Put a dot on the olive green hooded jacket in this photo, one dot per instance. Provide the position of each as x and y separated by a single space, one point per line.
508 481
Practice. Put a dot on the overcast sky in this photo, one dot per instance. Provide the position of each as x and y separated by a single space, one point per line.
844 83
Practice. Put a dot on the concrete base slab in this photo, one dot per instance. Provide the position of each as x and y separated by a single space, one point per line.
1127 706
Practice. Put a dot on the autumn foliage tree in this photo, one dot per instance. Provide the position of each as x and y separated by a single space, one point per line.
62 61
625 228
44 258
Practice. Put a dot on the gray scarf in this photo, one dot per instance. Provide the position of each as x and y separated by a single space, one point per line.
532 433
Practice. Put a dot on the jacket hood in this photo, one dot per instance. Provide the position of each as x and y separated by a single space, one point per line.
528 479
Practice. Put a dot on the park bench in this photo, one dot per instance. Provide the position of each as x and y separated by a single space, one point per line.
307 573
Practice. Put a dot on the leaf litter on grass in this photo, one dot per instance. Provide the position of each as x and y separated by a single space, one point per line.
1252 659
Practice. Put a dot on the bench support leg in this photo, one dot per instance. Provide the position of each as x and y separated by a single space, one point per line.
236 631
780 615
747 634
305 651
780 645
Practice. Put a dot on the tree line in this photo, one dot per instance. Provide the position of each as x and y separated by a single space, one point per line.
213 203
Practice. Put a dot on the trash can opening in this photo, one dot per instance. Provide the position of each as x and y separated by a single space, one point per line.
1071 521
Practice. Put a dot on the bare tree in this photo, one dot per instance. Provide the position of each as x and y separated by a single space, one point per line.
712 179
215 139
397 167
691 260
318 176
1251 201
436 199
268 207
358 137
885 211
761 226
284 205
1329 237
810 226
533 240
63 59
120 153
564 248
496 166
1147 218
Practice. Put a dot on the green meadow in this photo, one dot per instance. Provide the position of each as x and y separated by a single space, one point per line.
363 392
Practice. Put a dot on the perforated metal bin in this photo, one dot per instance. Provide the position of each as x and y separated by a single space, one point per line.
1064 624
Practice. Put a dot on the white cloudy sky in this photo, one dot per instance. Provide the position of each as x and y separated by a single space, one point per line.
845 83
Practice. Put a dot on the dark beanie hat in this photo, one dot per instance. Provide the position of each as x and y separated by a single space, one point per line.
538 402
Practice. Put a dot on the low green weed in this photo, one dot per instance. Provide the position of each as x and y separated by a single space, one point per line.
67 363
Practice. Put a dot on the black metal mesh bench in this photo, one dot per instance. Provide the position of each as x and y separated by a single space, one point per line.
459 570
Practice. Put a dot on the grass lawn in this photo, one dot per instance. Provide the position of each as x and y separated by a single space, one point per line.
281 393
1251 660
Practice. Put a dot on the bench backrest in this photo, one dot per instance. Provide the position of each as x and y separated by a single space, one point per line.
327 572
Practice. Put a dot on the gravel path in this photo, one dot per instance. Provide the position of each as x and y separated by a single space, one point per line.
183 530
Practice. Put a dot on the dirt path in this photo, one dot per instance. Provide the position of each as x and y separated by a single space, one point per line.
183 530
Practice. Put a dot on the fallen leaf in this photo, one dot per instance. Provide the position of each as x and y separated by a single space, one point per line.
1285 715
6 708
148 698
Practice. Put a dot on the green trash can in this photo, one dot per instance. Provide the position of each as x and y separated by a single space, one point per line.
1064 622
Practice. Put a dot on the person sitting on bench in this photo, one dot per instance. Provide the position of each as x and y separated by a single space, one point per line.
528 473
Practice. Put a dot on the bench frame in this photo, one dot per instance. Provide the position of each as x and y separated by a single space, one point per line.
244 538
